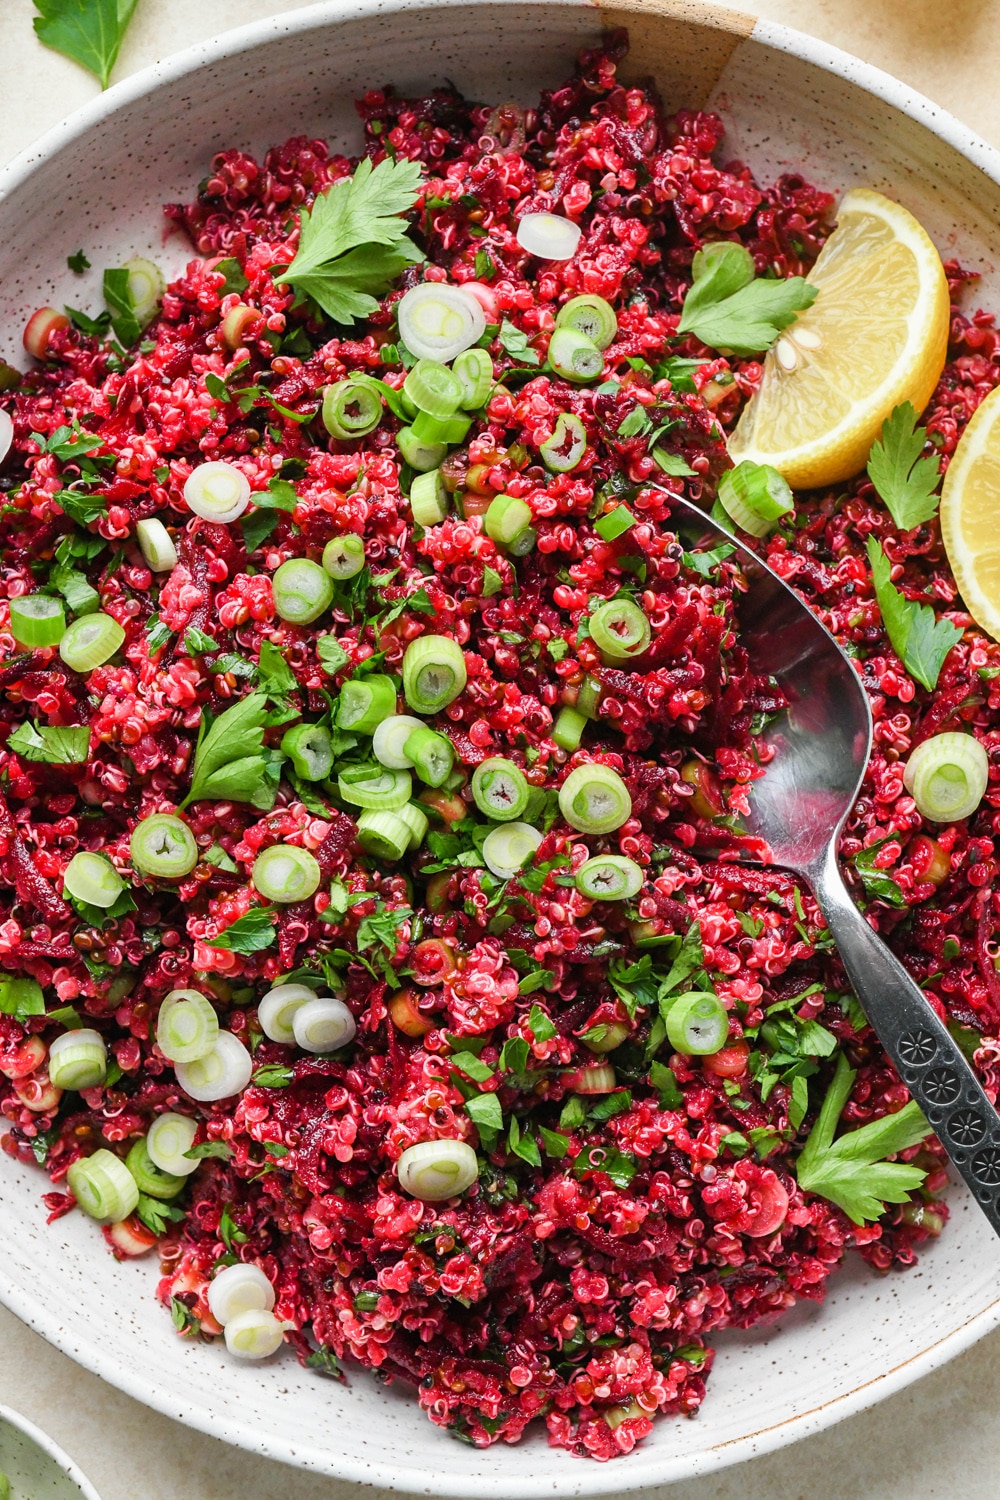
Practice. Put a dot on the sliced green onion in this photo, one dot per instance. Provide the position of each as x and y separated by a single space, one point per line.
164 846
344 556
186 1027
420 455
508 848
310 750
416 821
90 642
549 236
276 1011
500 790
436 1170
145 287
434 673
506 518
428 498
473 369
591 316
755 496
588 697
385 835
224 1072
609 877
565 448
92 878
78 1060
697 1024
593 1078
605 1037
217 491
947 776
254 1335
567 731
239 1289
37 620
156 545
149 1178
103 1187
432 754
594 799
351 409
302 590
433 388
619 630
389 740
285 873
575 357
614 524
523 542
438 321
375 787
323 1024
170 1137
364 702
447 430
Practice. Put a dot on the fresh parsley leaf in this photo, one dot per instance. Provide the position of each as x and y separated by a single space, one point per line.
324 1361
664 1081
121 306
877 883
80 506
619 1167
523 1146
749 320
515 342
21 998
273 1076
251 933
221 1149
157 634
555 1145
851 1171
95 328
542 1028
353 241
690 956
279 495
88 31
672 463
679 372
228 763
229 1232
634 423
196 642
798 1104
184 1320
65 746
275 677
484 1110
905 481
539 979
80 595
78 262
469 1064
919 639
705 563
238 665
156 1215
492 582
257 527
514 1055
235 280
331 653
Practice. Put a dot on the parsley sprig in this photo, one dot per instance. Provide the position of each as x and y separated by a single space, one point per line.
229 759
353 241
730 310
90 34
919 639
852 1171
905 481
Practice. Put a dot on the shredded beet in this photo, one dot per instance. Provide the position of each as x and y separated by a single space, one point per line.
580 1279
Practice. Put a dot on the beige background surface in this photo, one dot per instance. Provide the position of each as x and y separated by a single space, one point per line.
937 1439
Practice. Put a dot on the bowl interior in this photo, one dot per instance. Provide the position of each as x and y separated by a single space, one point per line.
98 183
36 1468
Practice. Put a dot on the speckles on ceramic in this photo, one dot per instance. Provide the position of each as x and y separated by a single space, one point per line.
36 1467
98 182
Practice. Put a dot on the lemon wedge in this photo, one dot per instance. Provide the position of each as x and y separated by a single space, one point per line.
970 515
876 335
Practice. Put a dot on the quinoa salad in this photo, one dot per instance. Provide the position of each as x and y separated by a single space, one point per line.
382 952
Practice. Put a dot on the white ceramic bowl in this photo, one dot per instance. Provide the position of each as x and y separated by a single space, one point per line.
98 181
37 1467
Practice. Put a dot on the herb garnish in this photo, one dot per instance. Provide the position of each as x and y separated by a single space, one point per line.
905 481
919 639
91 34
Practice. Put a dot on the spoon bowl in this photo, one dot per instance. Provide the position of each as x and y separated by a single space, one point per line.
818 748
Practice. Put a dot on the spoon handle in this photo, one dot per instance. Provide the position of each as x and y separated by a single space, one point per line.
926 1056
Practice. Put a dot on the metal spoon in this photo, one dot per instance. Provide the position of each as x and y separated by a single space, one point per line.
821 745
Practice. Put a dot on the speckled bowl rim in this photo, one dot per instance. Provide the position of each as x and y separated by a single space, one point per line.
51 1447
593 1479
